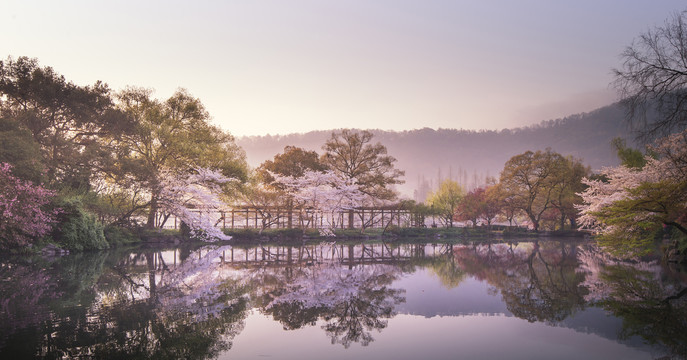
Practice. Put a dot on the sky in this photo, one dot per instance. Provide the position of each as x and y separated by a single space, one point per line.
279 67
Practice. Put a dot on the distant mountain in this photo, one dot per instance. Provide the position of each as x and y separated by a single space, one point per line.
429 155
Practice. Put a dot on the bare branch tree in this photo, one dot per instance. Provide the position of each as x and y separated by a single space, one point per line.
652 81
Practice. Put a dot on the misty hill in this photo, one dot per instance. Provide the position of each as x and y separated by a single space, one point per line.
428 155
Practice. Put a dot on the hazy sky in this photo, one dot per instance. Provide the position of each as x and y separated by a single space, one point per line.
293 66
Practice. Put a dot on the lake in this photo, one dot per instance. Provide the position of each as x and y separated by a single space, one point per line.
538 299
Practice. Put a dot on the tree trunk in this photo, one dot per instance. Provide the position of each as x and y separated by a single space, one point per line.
562 221
289 204
152 213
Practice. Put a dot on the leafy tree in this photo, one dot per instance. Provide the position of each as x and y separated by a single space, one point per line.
507 203
567 185
18 148
446 201
293 162
351 155
471 206
492 204
170 138
653 77
78 230
628 156
530 179
66 120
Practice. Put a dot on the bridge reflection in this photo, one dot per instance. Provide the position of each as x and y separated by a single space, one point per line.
346 254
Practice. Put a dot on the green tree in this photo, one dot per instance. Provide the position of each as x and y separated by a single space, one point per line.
567 185
294 161
175 136
632 158
533 180
446 200
18 148
66 120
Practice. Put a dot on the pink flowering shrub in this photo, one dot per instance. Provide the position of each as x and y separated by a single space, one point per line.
23 209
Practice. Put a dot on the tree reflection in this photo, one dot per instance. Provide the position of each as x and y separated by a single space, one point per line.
447 271
352 302
192 303
652 305
538 282
139 308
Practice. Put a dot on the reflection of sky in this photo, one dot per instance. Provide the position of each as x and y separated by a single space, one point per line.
431 298
417 337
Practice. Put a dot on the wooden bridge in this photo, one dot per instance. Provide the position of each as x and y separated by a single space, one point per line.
251 217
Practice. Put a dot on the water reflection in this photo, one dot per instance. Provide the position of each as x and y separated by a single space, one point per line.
194 302
538 281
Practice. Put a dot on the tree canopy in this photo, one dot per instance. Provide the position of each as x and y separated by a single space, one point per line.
66 120
351 154
446 200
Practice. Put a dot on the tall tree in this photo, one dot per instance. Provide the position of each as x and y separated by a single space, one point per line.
567 183
654 77
352 155
18 148
171 138
65 119
532 179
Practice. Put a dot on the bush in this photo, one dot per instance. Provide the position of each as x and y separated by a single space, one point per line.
77 229
120 236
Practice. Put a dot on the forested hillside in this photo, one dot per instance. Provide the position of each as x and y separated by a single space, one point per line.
428 155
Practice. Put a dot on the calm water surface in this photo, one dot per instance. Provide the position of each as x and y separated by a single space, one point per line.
522 300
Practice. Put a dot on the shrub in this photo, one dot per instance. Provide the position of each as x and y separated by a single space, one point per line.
116 235
77 229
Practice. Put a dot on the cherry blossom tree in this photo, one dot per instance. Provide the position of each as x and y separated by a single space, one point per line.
24 213
194 198
326 192
634 205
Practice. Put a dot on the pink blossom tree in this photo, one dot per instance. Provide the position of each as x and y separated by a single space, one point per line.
634 205
24 213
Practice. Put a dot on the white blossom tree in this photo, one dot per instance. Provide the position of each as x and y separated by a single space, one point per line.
326 192
633 205
194 198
